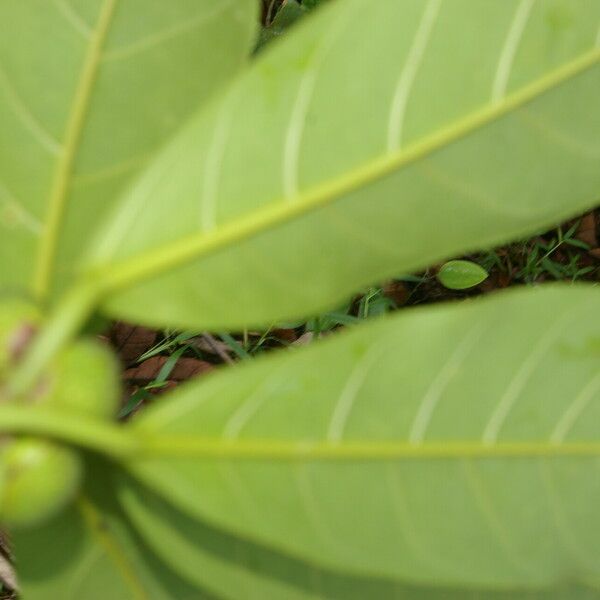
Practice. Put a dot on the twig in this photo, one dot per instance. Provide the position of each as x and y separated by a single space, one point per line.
210 340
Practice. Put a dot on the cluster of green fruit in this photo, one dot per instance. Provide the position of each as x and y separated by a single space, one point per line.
38 477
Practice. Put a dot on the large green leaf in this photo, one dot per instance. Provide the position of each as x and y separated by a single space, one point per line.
457 445
90 552
88 90
235 568
377 138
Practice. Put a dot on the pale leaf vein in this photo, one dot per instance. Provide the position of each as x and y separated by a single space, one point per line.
27 118
435 391
213 168
75 20
517 384
168 34
296 126
19 211
408 75
350 392
509 50
575 410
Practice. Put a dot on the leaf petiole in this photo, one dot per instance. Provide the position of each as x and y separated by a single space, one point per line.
93 434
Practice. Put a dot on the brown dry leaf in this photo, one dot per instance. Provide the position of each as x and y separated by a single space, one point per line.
397 292
184 369
586 232
187 368
285 335
131 341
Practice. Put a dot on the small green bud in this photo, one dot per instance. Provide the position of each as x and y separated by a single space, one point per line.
85 379
40 478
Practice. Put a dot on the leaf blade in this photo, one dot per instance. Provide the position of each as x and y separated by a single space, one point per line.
235 568
75 135
314 455
445 171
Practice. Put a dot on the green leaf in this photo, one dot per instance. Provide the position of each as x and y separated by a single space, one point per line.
289 13
310 4
90 552
89 89
235 568
461 274
333 163
455 444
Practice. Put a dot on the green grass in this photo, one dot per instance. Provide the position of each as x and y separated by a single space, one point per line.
557 256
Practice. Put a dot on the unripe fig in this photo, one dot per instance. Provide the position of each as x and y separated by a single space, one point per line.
85 379
40 478
18 321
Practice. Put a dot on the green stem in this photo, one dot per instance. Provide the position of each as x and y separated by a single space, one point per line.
63 325
92 434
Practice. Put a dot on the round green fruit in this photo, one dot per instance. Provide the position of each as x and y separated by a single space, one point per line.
18 321
40 478
85 380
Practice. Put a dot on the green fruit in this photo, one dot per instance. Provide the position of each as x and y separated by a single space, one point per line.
85 380
40 478
18 320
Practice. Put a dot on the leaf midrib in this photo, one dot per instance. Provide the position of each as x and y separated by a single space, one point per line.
182 446
140 442
112 277
59 190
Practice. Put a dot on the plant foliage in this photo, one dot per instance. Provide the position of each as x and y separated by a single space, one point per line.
152 168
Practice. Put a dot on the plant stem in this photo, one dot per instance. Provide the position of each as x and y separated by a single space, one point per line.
92 434
67 319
